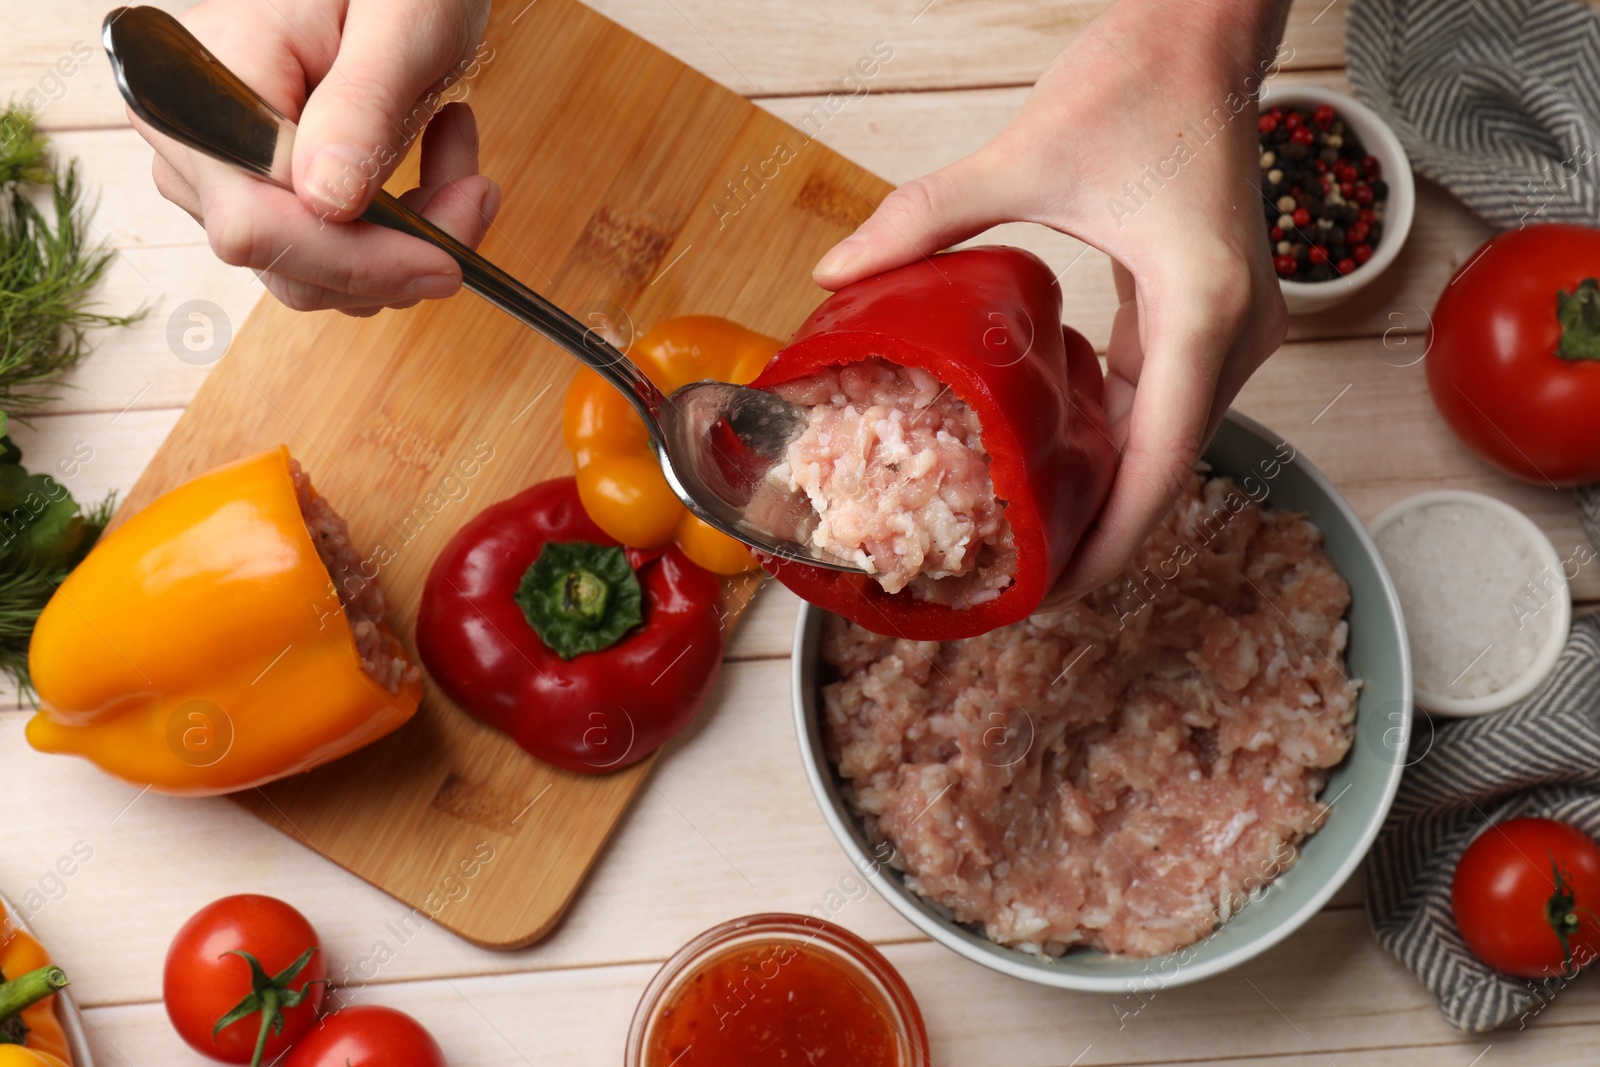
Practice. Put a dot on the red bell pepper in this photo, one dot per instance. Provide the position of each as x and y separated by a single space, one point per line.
987 323
588 654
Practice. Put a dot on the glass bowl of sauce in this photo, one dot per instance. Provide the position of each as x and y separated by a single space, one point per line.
777 989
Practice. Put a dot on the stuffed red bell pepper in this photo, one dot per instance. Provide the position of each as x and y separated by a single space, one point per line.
956 448
588 654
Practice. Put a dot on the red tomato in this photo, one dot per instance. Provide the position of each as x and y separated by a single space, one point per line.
205 980
1526 896
367 1036
1493 362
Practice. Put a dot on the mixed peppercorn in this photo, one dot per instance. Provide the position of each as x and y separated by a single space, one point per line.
1322 193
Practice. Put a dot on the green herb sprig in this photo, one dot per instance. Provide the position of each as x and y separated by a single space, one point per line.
49 267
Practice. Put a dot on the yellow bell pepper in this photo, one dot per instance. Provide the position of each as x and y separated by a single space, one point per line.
619 478
202 647
45 1040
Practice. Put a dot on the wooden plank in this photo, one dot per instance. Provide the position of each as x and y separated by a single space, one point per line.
1381 440
895 135
51 61
1329 995
729 802
379 410
744 45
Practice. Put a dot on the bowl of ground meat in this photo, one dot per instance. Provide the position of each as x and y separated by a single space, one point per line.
1153 785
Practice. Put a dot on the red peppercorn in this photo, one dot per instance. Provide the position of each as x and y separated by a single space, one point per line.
1276 233
1347 189
1322 168
1317 254
1345 171
1323 116
1276 112
1285 265
1304 136
1294 120
1367 216
1357 233
1302 217
1363 194
1345 265
1266 124
1362 252
1371 167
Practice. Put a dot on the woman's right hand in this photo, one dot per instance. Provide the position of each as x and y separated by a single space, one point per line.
361 78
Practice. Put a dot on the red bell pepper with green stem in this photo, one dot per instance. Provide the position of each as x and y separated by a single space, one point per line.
987 323
588 654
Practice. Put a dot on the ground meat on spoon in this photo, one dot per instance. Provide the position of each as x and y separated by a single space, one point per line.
894 465
364 603
1120 775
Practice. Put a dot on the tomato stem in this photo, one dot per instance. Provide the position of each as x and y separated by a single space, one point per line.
270 995
269 1016
1561 912
1578 312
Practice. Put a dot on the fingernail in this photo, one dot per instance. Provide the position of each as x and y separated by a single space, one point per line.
841 255
336 177
432 286
489 203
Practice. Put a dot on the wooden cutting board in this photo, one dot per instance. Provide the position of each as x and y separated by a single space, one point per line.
631 182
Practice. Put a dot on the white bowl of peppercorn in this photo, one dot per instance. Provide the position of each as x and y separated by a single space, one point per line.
1337 192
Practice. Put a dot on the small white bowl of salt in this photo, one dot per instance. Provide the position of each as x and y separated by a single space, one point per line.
1484 595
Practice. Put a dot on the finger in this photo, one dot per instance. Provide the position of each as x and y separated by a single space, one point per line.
1187 333
918 219
1124 354
453 195
171 184
363 115
450 147
252 224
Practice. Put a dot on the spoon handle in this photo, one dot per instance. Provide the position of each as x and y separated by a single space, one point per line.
171 81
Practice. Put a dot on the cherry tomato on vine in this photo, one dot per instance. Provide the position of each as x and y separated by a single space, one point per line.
367 1036
1526 898
244 979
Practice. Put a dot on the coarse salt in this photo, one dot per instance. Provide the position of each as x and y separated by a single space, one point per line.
1476 594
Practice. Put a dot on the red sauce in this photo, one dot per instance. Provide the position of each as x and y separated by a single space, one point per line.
775 1002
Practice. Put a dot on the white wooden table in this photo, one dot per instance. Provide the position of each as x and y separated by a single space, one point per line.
726 825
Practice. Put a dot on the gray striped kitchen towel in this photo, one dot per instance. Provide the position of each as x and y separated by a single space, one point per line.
1496 100
1541 757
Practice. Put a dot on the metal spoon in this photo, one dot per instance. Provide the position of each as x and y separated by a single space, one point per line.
716 441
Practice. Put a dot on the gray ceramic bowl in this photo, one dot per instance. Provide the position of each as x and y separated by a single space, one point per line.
1360 789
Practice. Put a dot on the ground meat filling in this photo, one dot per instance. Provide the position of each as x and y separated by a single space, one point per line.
364 603
894 464
1124 774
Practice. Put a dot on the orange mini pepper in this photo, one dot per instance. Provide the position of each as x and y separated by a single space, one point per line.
619 478
28 998
201 647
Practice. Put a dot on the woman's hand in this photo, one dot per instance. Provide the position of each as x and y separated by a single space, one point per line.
1139 139
362 78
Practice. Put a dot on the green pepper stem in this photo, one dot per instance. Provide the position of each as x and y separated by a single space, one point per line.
580 597
585 595
1579 315
24 992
